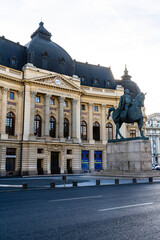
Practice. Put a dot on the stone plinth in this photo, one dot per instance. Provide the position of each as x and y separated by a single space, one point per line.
129 156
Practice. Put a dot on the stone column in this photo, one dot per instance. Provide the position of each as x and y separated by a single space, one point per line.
62 161
32 112
90 123
104 160
91 160
74 118
20 115
48 153
3 161
61 117
4 113
46 116
103 125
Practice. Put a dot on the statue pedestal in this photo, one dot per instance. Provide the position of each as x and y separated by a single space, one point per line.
133 156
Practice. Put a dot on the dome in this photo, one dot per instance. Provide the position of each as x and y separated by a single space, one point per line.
45 54
127 83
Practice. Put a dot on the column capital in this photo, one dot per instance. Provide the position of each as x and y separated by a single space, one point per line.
5 90
47 96
90 106
20 94
61 99
74 100
33 93
103 106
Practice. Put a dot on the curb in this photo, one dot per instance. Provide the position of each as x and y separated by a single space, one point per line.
134 182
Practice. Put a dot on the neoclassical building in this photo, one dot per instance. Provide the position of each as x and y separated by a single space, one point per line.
152 129
54 109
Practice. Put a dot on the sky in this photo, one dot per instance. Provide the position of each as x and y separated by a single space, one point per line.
111 33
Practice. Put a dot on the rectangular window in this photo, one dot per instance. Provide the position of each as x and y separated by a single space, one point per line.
69 151
107 109
10 159
37 99
11 95
96 108
52 101
83 107
39 150
65 103
132 133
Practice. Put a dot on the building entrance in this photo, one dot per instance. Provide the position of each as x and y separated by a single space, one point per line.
40 166
98 160
55 168
85 160
69 165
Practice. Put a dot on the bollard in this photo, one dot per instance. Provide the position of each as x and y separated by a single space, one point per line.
134 180
116 181
150 179
98 182
74 183
52 185
24 185
64 178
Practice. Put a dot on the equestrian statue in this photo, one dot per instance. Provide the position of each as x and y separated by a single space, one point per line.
128 111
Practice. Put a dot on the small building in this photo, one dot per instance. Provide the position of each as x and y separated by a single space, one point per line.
54 109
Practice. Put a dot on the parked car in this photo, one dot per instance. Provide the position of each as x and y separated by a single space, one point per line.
157 167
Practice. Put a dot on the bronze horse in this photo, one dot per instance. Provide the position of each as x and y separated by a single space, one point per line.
134 114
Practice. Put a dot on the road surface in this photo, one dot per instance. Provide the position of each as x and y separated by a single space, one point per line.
88 213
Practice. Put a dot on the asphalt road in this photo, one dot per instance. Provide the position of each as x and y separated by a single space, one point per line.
89 213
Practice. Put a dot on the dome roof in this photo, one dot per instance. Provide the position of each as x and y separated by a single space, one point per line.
45 54
127 83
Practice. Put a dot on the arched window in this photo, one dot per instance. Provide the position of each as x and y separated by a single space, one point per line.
83 79
109 131
10 123
52 127
37 125
95 82
66 128
96 131
83 130
13 62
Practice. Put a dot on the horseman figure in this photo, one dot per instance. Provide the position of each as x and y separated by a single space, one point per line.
124 103
128 111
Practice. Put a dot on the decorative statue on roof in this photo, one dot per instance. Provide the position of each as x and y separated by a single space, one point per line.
128 111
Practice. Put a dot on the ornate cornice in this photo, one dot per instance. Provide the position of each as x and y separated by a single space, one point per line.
6 77
101 96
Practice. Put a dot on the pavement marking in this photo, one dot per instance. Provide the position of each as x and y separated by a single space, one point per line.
70 199
5 185
123 207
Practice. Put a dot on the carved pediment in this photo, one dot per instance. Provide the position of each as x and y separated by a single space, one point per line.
58 82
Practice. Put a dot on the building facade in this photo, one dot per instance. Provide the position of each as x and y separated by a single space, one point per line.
54 109
152 129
